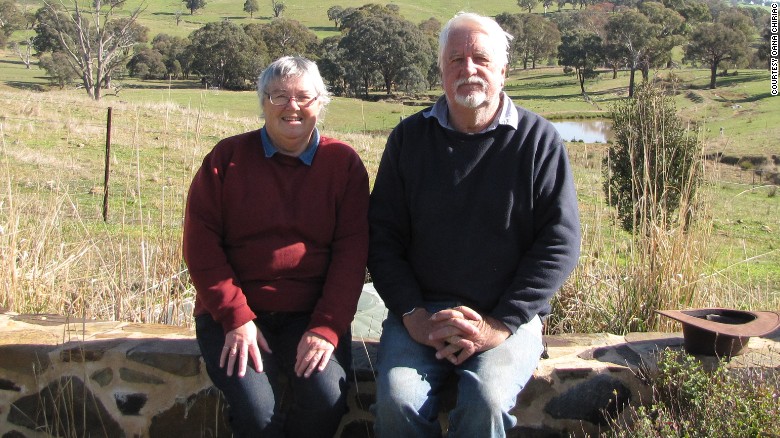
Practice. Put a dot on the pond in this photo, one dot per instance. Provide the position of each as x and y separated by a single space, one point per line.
585 130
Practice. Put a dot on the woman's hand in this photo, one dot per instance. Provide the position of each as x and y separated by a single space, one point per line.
314 352
241 344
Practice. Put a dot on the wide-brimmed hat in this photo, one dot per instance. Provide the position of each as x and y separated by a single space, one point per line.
722 332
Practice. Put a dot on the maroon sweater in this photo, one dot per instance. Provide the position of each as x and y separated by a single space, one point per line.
273 234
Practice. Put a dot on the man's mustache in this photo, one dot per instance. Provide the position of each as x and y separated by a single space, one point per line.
471 81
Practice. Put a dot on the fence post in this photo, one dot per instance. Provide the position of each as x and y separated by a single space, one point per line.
107 166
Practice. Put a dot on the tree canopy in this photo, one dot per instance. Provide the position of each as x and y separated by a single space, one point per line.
713 43
194 5
225 56
384 43
250 7
583 51
11 20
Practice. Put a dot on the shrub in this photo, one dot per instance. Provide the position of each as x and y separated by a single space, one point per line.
689 401
651 168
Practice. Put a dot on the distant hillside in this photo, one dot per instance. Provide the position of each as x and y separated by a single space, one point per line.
160 15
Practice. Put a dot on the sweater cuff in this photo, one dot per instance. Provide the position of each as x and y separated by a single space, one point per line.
327 333
236 318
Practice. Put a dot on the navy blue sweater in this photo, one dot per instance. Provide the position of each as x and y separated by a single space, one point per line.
487 220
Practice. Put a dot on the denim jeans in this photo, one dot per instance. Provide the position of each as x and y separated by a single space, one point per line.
255 400
410 379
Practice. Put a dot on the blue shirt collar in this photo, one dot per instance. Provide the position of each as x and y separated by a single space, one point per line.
507 116
306 157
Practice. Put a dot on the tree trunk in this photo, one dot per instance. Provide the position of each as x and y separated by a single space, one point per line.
631 82
713 74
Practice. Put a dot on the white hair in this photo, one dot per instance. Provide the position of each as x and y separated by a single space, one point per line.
292 66
499 38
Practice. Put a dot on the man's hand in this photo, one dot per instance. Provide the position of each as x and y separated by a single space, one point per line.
241 344
420 327
465 332
314 352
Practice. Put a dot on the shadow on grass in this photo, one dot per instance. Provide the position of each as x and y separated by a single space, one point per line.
620 92
11 61
521 97
755 98
728 81
324 29
157 84
27 86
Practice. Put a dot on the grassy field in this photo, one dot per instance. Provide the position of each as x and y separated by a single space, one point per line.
60 256
161 15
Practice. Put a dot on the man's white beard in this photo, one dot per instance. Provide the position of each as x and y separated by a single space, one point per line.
472 100
475 98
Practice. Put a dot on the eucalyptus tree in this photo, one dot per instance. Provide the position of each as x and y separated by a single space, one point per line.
693 11
147 63
11 19
334 14
283 36
714 43
669 32
331 66
431 28
95 38
225 56
631 34
278 7
250 7
727 40
384 43
194 5
57 68
175 53
583 51
535 37
527 4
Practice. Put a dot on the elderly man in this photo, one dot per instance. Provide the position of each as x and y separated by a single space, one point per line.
473 227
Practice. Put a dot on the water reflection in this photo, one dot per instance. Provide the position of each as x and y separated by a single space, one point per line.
588 131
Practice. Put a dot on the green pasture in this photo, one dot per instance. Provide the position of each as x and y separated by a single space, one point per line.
160 15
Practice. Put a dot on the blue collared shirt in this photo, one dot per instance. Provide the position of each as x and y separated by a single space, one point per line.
306 157
507 116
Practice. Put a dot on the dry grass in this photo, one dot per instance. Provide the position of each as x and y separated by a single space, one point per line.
58 255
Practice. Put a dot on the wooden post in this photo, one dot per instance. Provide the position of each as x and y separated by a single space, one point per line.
107 166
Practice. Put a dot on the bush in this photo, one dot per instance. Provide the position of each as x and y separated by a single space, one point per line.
651 167
58 68
689 401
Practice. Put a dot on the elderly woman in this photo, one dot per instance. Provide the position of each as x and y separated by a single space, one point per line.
276 240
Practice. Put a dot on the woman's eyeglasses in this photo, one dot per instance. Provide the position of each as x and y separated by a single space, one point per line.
283 99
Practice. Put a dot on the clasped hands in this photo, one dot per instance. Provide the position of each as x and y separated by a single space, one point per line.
245 342
456 333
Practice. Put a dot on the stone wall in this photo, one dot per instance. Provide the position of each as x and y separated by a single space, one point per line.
63 377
